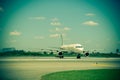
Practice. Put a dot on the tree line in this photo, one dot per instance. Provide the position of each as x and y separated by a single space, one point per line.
45 53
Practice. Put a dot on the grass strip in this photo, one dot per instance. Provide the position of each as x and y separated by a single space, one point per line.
100 74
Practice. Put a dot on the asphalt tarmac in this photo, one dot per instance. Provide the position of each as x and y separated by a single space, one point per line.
32 68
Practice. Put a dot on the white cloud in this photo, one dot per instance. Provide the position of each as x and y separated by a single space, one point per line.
90 14
66 29
15 33
55 19
55 23
54 35
37 18
55 30
90 23
38 37
60 29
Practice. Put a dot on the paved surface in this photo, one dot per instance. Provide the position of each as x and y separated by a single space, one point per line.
32 68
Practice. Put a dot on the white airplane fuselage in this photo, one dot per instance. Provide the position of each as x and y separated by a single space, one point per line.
73 48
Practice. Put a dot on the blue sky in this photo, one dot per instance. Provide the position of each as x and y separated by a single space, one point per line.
36 24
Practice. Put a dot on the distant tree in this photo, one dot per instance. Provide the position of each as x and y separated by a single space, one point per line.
117 50
111 52
51 53
44 52
93 52
72 53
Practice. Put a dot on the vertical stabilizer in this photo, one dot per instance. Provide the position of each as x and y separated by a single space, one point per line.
61 36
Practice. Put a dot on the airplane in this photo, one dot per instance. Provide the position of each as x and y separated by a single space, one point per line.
76 48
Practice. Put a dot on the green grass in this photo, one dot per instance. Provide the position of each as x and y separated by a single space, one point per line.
100 74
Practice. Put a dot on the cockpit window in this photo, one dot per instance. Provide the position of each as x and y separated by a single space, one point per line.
78 46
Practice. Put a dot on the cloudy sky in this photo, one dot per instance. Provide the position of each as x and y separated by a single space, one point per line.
37 24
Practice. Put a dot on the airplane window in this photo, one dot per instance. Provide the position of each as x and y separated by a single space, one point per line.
78 46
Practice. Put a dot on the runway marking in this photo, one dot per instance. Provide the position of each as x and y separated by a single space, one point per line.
58 59
39 60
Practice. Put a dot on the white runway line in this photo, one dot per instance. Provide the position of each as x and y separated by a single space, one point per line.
39 59
58 59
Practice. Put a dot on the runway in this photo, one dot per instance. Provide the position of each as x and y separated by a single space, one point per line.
32 68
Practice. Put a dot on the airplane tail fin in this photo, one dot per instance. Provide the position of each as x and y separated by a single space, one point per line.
61 36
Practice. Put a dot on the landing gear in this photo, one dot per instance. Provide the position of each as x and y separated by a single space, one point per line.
87 54
78 56
60 55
